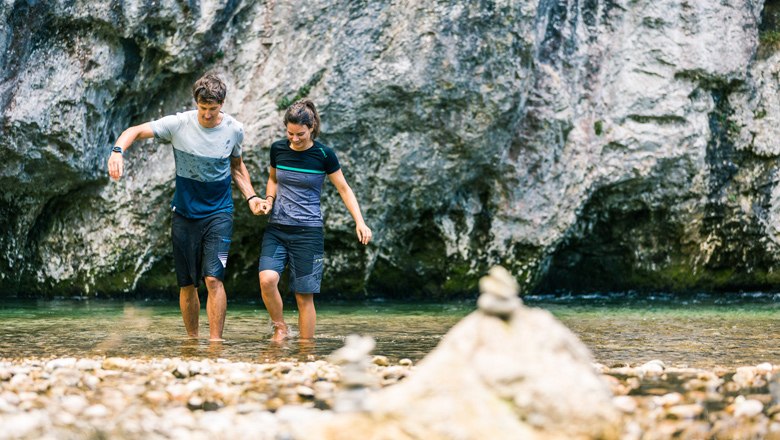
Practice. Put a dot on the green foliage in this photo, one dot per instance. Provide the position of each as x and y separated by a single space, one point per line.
769 37
287 101
216 56
598 127
301 93
460 279
732 127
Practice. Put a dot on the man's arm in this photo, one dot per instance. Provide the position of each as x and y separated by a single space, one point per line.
116 163
241 177
348 197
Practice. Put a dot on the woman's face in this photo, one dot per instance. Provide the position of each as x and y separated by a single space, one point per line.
299 136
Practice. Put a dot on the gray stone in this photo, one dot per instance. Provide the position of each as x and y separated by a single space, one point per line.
743 407
774 388
526 377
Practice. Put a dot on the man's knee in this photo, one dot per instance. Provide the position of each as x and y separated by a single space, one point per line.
268 279
212 283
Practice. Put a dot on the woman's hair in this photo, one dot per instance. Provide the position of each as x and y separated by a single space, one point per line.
303 112
209 88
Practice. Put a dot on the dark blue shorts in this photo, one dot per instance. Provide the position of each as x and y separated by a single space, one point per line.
200 247
299 247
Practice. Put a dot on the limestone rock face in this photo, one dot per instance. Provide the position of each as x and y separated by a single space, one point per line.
584 145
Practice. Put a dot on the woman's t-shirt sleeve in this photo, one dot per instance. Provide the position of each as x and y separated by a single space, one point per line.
331 161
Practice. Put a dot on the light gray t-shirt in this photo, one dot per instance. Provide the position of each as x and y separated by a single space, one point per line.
202 158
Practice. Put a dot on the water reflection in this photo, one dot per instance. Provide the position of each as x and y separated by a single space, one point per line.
699 331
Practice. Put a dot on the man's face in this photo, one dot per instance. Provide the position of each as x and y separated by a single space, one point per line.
299 136
208 113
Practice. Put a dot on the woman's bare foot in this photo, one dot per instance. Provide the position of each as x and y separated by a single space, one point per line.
280 331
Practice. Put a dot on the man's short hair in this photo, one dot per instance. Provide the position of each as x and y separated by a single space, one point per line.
209 88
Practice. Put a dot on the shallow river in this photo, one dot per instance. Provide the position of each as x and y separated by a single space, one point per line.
701 331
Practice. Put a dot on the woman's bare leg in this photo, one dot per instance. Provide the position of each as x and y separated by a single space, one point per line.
269 289
307 315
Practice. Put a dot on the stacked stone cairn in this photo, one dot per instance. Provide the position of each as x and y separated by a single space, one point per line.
356 380
505 371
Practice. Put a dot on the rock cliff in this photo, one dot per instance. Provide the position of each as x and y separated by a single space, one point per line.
596 144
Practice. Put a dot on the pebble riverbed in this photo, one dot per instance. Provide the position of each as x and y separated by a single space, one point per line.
124 398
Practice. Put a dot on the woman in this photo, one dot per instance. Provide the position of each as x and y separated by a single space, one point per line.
294 235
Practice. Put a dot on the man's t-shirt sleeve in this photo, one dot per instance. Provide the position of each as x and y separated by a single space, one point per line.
164 127
239 141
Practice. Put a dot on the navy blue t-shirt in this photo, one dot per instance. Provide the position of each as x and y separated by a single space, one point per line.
300 175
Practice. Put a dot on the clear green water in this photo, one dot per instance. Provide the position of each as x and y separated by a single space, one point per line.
698 331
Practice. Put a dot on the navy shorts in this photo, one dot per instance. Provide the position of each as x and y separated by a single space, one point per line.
301 248
200 247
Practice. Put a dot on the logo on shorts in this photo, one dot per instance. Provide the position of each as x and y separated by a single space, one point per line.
223 258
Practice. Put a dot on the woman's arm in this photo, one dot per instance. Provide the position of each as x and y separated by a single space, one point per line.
270 191
348 197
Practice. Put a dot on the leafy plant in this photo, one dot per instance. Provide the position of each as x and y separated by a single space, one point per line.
286 101
769 37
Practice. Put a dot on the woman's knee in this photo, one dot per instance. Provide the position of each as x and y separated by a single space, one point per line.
304 299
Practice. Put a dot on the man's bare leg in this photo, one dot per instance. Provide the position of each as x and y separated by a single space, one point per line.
190 309
307 315
269 289
216 305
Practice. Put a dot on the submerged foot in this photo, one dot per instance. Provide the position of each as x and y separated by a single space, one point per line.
280 331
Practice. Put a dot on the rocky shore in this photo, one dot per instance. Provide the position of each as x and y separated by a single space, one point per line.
505 371
123 398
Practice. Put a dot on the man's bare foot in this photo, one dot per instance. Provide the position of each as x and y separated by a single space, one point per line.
280 331
216 340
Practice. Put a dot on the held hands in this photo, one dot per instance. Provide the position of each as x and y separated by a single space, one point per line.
255 204
267 204
265 207
259 206
363 233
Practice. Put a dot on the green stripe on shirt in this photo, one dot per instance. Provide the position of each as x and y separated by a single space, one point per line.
300 169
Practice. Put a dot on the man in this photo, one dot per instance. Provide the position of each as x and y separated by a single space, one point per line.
207 152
